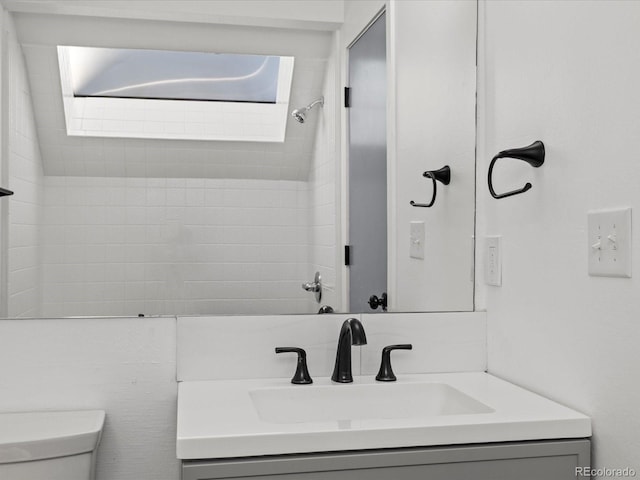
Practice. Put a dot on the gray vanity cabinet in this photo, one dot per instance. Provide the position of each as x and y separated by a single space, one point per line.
540 460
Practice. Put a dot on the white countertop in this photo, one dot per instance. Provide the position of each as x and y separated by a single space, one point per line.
217 419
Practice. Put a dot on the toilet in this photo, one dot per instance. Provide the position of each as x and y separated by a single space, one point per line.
49 445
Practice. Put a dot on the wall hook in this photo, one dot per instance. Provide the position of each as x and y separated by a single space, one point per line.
4 192
532 154
443 175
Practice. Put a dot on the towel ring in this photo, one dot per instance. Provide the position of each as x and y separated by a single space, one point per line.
442 175
532 154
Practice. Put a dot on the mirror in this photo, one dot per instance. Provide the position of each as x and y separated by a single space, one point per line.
171 225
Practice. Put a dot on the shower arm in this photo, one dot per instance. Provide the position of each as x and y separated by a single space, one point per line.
314 103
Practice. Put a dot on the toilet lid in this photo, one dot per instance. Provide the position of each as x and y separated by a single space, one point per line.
38 435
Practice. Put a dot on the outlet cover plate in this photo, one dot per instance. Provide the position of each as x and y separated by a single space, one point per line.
416 240
493 261
609 242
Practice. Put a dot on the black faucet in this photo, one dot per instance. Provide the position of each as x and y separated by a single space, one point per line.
351 333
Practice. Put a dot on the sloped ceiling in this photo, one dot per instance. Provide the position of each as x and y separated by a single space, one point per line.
300 14
40 34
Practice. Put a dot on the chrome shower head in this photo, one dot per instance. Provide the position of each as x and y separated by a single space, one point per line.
300 113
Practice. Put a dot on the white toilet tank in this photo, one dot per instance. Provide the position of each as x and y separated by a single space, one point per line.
49 445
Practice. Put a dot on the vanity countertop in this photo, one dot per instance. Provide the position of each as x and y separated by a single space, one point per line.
223 419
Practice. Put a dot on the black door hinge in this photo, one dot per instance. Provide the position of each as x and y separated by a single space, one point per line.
347 255
347 97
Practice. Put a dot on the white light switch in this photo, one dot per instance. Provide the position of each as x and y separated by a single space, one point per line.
416 240
609 238
493 261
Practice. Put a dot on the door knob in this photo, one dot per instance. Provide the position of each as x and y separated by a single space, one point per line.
375 302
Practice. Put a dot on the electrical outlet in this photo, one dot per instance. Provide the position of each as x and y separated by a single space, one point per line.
493 261
609 242
416 240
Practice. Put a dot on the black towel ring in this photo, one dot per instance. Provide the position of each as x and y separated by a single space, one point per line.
532 154
442 175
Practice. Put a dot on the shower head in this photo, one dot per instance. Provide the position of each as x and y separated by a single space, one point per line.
300 114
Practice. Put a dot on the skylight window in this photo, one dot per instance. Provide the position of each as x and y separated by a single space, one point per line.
164 75
167 94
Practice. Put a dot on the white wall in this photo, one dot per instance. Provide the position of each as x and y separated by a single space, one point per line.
111 157
433 64
25 178
127 367
324 192
124 246
207 347
566 73
63 155
124 366
117 243
430 123
314 14
357 15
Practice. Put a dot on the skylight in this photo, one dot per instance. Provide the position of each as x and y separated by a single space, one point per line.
168 94
165 75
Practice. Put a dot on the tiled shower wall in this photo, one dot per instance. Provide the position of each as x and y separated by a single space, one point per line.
186 246
125 246
25 178
323 205
112 246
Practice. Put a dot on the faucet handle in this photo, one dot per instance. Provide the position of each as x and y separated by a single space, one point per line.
385 374
301 377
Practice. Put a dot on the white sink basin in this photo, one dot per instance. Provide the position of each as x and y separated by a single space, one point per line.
243 418
311 403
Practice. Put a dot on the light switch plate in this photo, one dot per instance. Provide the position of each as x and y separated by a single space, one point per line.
493 261
416 240
609 242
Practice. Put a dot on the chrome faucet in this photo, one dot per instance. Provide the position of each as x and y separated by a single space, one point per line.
351 333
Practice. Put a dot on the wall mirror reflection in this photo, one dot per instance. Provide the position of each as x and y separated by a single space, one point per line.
130 200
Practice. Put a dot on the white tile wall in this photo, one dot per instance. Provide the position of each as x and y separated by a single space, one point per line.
25 178
161 158
102 244
116 246
124 246
323 205
182 120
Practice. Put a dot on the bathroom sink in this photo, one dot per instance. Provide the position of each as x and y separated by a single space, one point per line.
310 403
270 416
